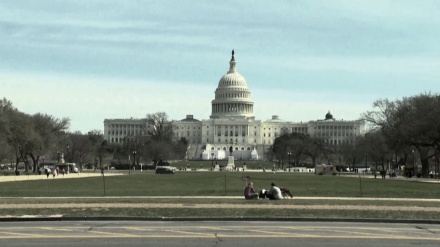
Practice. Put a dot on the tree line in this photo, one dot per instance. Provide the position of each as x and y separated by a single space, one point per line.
32 139
403 133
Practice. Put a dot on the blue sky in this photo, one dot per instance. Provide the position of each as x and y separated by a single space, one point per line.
91 60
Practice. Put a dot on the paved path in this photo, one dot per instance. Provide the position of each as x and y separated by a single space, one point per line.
90 173
59 176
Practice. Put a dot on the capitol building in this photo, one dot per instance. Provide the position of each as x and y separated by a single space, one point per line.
232 124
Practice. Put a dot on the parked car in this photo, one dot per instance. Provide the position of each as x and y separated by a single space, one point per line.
164 170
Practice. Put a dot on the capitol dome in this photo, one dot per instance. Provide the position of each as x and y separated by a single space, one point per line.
232 96
328 116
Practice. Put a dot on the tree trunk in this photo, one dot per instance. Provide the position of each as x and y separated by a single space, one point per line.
17 161
34 163
425 167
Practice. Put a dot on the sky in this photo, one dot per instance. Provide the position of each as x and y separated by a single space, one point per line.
91 60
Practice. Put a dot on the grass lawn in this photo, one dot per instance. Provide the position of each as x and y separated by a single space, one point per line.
218 184
132 189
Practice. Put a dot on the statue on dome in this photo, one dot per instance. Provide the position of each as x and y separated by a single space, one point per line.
233 53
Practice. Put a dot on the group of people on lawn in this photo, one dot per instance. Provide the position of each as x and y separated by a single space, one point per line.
274 193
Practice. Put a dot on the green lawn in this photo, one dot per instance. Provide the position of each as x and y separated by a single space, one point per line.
218 184
132 189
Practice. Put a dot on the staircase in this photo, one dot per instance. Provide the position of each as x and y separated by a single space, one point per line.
193 151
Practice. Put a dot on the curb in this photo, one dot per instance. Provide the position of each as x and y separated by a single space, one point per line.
231 219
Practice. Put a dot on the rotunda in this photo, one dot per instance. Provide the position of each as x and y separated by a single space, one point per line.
232 96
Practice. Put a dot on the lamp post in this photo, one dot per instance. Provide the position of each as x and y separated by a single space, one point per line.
414 163
288 155
42 164
436 169
366 163
212 160
438 164
58 156
340 168
68 153
134 159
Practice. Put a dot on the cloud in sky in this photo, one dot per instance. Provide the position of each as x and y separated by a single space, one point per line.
91 60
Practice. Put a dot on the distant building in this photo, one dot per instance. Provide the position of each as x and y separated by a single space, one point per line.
232 124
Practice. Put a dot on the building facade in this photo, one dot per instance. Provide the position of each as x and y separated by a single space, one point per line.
232 124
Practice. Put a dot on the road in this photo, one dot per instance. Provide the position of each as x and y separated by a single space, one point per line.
206 233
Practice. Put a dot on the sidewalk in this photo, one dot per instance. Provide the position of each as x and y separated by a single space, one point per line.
24 177
91 173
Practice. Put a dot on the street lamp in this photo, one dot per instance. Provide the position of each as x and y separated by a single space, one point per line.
414 163
68 154
340 168
212 160
134 159
366 161
42 165
288 155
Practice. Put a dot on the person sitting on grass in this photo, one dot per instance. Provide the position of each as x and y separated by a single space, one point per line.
249 192
274 193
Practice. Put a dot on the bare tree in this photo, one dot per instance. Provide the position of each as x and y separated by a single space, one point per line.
48 132
412 121
80 148
158 127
